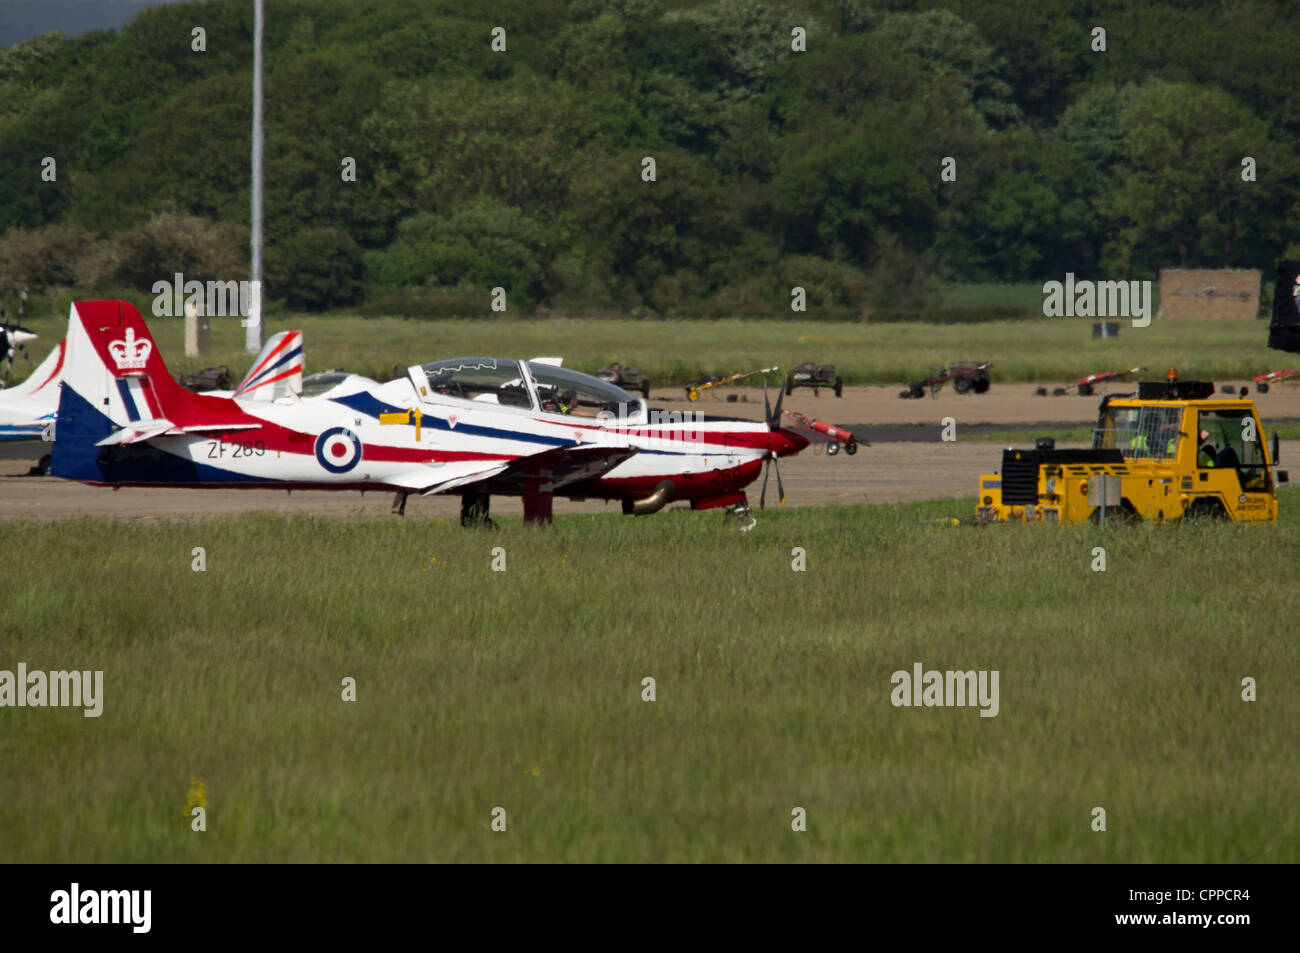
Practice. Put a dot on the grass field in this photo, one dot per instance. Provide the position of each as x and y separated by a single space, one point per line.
522 689
673 352
1020 295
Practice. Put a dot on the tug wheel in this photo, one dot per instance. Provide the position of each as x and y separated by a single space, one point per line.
1122 513
1206 508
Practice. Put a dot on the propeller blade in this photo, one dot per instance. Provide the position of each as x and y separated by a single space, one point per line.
762 497
779 488
767 408
775 420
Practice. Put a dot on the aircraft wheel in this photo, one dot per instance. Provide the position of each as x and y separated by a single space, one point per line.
851 447
832 449
1262 388
692 395
1085 390
839 387
474 511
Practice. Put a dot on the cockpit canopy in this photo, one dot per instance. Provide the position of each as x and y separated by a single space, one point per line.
484 379
529 385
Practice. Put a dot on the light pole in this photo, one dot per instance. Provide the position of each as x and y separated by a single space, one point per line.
253 324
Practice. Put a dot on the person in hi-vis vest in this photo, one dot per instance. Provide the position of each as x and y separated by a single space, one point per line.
1141 448
1206 454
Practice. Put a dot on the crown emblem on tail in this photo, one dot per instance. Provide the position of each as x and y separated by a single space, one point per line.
128 353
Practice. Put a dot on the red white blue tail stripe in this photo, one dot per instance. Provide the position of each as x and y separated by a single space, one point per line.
277 372
138 398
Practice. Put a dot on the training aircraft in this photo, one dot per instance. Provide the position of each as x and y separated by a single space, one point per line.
474 426
27 409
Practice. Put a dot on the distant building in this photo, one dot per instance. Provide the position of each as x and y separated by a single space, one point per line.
1209 293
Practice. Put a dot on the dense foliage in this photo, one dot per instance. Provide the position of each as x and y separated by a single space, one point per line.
524 169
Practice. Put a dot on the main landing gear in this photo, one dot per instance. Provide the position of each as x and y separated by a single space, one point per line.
475 511
741 512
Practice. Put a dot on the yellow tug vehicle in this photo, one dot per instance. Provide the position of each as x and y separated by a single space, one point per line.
1170 452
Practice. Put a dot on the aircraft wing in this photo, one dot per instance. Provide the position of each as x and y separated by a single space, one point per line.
447 476
557 467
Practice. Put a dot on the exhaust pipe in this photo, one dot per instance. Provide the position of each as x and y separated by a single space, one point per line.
659 497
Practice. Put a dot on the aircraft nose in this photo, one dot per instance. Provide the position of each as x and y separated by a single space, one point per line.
786 443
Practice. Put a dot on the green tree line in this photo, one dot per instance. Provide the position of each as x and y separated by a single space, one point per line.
774 166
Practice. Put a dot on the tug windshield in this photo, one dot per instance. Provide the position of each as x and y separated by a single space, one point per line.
1147 432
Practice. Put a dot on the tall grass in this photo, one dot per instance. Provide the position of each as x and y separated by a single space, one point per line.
522 689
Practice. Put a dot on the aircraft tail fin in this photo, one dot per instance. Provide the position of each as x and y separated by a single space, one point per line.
277 372
1284 331
115 380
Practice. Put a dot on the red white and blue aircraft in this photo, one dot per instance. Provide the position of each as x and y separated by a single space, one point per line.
474 426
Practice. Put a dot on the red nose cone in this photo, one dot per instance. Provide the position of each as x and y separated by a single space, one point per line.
786 443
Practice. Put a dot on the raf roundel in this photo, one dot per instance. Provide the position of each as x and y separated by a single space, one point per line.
338 449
